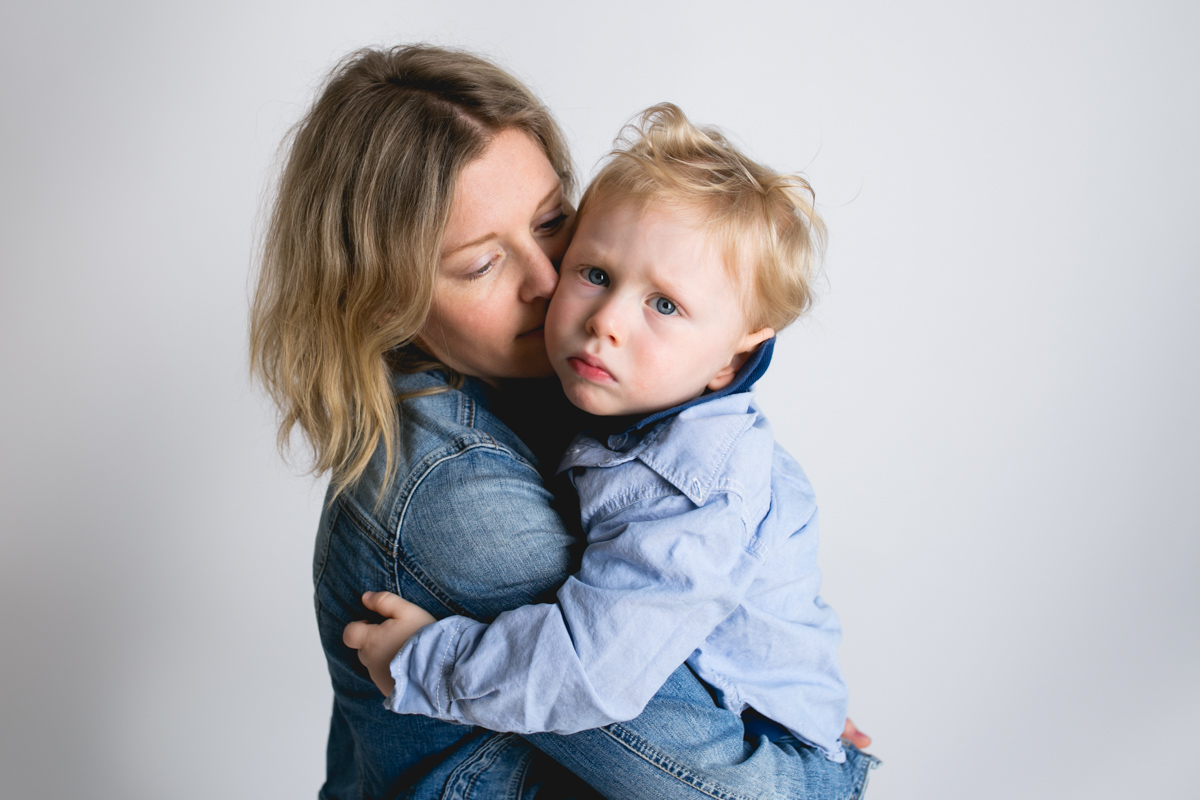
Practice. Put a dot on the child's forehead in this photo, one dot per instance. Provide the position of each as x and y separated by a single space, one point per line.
662 226
686 221
723 240
643 218
691 214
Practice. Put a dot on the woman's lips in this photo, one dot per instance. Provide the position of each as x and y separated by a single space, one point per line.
533 333
591 369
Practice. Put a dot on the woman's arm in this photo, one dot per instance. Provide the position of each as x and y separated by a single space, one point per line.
401 546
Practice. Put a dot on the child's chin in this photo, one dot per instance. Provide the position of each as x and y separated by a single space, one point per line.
587 399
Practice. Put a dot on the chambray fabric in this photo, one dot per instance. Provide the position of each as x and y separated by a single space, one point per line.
702 546
465 527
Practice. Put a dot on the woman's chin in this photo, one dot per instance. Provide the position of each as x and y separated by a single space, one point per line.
531 361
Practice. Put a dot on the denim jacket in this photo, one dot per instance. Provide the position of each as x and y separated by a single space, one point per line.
431 535
466 527
702 542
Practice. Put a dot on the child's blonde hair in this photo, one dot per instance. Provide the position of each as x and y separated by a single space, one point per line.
764 221
351 248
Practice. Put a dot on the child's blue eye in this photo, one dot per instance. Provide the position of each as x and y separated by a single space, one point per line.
664 306
597 276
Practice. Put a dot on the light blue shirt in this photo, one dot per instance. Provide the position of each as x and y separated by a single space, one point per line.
702 547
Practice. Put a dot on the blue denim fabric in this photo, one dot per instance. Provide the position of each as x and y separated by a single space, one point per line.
466 527
702 546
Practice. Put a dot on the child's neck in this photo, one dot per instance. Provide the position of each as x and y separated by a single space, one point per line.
602 427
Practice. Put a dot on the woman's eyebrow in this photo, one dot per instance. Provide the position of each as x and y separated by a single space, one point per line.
556 190
472 243
491 234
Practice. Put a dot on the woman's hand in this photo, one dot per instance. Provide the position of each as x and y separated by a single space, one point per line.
377 645
850 733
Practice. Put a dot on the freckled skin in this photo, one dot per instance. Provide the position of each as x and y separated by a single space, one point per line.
507 231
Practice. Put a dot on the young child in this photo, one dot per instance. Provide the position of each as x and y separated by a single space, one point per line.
702 532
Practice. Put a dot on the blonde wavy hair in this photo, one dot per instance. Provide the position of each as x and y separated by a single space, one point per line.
764 221
350 250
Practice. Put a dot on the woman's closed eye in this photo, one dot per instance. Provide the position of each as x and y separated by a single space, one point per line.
550 223
484 265
553 223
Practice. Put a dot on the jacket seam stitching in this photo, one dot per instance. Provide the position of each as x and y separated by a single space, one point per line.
400 556
327 535
660 761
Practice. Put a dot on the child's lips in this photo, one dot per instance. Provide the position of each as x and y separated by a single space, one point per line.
591 369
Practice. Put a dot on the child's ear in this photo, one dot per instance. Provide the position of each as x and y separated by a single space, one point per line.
727 373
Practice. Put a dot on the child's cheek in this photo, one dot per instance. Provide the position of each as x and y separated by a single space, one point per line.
557 320
654 368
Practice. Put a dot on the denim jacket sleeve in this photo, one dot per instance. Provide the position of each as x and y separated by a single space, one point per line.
463 526
479 536
658 576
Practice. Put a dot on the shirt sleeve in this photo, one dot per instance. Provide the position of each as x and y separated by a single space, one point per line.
657 577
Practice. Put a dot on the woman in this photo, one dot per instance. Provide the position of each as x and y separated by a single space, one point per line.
411 253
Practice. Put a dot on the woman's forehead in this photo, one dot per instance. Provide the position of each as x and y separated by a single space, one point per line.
505 186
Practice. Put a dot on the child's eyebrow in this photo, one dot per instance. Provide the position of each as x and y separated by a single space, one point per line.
591 254
667 287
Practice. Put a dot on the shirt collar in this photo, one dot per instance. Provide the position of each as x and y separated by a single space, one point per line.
687 445
749 373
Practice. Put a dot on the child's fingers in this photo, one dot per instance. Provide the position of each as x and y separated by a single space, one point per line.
356 634
856 737
386 603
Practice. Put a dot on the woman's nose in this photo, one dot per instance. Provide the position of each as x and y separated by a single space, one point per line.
539 277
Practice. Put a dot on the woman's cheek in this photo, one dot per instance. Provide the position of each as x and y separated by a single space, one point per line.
555 247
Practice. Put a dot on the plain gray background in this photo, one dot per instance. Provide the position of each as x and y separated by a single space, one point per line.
995 398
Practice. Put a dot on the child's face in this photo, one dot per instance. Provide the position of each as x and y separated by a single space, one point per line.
645 316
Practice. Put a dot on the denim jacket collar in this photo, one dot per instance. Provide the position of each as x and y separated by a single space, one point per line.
473 388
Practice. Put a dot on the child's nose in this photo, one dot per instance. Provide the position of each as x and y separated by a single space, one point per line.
605 323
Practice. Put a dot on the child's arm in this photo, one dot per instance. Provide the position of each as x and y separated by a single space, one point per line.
377 645
653 585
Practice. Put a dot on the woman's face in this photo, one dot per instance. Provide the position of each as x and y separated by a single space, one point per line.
507 232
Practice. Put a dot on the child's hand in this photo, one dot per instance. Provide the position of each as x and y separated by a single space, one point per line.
377 645
851 734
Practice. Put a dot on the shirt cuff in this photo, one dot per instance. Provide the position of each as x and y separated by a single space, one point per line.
423 668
